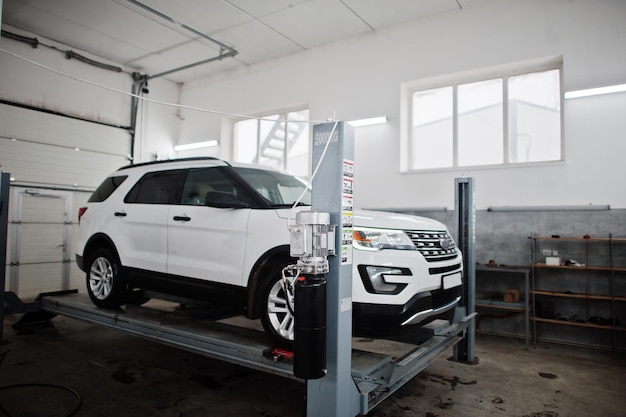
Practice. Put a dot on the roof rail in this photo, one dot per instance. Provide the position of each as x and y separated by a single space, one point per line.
194 158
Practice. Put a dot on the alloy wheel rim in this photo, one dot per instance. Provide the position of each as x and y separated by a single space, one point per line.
101 278
280 304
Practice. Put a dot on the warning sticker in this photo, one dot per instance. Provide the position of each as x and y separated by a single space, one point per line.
347 212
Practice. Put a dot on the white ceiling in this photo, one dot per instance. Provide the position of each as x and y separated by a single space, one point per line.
158 40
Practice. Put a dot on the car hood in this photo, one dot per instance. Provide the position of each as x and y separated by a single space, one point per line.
381 220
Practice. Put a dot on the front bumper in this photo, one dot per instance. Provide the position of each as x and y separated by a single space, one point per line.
420 308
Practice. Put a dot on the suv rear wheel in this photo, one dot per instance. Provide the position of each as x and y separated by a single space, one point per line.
105 285
277 308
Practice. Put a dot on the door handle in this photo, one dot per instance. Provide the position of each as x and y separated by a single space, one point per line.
120 214
182 218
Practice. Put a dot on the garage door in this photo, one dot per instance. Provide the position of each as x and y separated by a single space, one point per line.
55 162
49 150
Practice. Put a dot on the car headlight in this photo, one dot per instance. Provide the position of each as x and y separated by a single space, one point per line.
379 239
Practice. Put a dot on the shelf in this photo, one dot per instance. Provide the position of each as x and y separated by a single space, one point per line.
579 295
501 278
580 268
604 282
581 239
573 323
501 305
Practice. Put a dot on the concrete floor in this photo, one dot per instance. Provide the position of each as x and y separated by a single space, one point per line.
125 376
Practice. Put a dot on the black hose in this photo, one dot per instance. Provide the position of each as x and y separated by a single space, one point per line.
9 387
72 391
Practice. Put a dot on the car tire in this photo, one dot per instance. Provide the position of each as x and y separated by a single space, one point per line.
105 284
135 296
277 308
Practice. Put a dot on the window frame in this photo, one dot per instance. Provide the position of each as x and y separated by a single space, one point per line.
504 72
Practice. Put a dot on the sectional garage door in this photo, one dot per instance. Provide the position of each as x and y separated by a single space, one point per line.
54 162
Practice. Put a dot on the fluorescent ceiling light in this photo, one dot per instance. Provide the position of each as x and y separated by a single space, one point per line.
195 145
596 91
368 122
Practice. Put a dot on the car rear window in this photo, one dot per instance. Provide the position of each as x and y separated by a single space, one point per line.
106 188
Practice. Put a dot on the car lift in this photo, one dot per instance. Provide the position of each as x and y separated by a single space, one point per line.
356 380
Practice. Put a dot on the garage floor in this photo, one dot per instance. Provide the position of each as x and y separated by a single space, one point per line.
108 373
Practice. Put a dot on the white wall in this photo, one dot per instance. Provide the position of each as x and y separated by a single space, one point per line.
361 78
158 125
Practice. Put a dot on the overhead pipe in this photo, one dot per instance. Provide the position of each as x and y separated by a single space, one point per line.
225 50
140 85
33 42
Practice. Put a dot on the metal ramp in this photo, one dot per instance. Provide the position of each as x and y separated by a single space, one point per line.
375 375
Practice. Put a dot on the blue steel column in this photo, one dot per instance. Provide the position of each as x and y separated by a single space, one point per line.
4 219
335 394
465 219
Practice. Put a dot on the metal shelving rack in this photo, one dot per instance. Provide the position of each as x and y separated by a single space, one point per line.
510 273
610 297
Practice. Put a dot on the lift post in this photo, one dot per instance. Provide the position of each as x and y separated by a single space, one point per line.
466 238
4 220
333 151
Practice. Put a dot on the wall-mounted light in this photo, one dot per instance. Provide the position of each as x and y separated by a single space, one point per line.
585 207
368 122
596 91
409 209
196 145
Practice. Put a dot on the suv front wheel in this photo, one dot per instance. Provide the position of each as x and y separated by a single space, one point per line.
277 308
105 285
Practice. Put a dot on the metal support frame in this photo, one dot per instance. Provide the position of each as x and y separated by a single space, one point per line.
333 159
4 220
372 377
465 220
245 347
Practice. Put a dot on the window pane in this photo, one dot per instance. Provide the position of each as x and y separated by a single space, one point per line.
105 189
157 188
245 147
272 142
276 187
535 117
298 143
202 181
480 126
431 129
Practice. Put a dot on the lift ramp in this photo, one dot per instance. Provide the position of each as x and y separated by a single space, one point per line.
376 375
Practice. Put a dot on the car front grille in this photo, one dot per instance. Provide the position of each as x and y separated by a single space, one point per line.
435 246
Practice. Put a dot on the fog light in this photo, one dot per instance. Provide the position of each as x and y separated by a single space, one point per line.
373 278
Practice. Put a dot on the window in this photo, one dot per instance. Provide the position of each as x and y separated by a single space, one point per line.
106 188
202 181
277 188
157 188
279 140
511 118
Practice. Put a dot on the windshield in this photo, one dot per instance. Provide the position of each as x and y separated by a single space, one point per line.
279 189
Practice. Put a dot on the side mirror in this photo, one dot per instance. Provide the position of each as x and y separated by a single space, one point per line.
221 199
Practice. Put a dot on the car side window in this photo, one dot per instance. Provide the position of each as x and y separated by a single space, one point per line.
106 188
162 187
201 181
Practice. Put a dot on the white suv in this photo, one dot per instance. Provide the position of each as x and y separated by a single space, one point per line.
192 227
